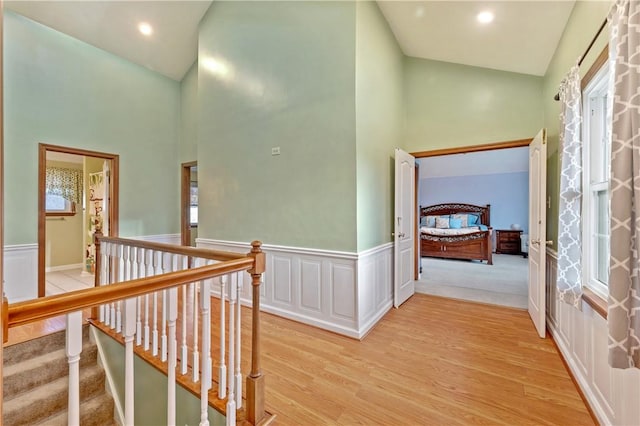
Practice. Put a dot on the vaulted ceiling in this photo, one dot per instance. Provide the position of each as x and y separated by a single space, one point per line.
522 37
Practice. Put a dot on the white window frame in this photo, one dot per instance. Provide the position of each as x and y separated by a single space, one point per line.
594 125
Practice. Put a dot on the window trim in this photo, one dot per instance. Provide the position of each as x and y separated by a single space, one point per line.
595 293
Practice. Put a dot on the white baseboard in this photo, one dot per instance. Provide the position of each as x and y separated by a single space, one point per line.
347 293
64 267
21 272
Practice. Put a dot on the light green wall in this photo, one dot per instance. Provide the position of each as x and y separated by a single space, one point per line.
61 91
63 236
451 105
379 123
288 81
150 389
189 115
585 19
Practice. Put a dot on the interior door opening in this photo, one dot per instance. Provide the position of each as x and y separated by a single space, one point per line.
512 243
77 196
189 203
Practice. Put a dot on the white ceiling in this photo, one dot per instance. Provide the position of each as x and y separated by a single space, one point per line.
113 26
522 38
498 161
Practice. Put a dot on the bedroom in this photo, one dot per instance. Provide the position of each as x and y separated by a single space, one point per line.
484 198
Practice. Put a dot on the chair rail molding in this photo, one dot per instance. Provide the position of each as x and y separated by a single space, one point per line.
343 292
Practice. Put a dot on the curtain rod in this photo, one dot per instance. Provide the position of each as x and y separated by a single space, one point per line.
584 55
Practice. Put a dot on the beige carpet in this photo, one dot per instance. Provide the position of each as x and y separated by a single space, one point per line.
503 283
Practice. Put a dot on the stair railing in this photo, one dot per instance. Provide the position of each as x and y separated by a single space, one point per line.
140 289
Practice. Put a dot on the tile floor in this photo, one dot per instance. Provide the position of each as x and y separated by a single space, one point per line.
67 280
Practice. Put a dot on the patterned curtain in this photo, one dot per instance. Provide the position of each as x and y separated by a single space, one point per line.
569 278
624 286
67 183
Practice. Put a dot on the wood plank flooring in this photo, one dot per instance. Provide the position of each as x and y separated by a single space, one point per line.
434 361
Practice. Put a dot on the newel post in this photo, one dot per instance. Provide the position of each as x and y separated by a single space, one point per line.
96 270
255 380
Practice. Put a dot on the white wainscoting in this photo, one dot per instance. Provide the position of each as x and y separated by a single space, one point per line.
613 394
174 239
21 272
346 293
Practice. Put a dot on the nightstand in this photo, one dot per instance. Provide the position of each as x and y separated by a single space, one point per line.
508 241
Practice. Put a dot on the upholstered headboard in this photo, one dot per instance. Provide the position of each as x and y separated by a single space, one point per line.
453 208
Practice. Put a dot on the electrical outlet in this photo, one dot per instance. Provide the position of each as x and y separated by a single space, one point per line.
275 150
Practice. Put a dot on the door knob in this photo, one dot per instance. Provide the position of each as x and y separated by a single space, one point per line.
549 242
401 235
536 242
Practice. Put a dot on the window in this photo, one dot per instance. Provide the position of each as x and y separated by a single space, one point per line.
596 130
56 205
193 205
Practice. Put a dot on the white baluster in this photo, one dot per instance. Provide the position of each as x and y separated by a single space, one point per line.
172 314
238 388
196 354
73 350
205 383
123 259
104 263
138 254
185 349
167 266
231 401
222 368
128 332
147 265
154 333
113 279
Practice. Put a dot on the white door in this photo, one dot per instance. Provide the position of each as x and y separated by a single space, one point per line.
404 228
537 230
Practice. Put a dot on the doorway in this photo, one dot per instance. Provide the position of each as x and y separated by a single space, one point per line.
478 176
189 203
77 194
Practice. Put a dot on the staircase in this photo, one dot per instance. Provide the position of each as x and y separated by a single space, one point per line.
36 383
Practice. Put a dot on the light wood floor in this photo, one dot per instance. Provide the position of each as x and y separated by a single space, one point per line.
434 361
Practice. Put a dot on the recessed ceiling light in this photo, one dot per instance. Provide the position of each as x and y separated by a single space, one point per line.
145 28
485 17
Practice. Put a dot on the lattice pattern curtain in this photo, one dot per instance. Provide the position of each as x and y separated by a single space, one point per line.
624 286
67 183
569 277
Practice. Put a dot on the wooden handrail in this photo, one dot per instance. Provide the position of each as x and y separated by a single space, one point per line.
47 307
169 248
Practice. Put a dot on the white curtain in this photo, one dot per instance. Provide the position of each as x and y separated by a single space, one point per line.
624 283
569 277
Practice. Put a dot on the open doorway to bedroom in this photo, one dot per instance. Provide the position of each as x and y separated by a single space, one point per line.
478 203
77 195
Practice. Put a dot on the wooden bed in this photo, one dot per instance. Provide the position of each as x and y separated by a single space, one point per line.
472 246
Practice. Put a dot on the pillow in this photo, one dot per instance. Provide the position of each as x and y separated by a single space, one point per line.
442 222
473 219
455 223
431 221
423 221
483 227
463 218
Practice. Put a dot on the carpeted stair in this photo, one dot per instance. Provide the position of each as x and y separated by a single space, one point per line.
36 383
